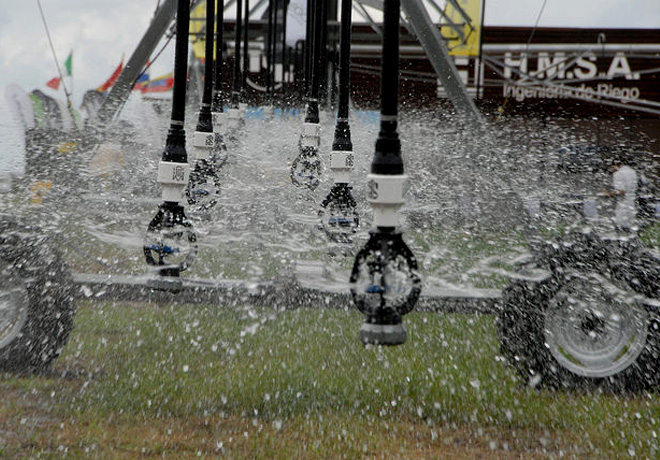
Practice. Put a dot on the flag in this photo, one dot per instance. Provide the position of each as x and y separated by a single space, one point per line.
54 83
141 82
113 78
160 84
68 64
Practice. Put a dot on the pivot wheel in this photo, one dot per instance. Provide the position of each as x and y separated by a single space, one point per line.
36 301
13 304
584 324
594 328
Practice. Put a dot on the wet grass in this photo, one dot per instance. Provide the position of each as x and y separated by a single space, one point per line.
142 380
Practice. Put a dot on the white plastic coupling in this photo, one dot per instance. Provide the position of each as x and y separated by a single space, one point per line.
311 135
243 107
341 164
219 120
202 144
386 195
173 178
233 114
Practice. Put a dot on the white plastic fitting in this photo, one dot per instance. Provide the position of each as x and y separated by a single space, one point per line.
311 135
219 120
202 144
386 195
233 114
173 178
341 164
243 107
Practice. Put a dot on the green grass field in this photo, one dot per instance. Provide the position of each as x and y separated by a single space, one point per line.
144 380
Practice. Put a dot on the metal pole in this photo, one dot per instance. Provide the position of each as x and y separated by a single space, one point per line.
433 43
124 84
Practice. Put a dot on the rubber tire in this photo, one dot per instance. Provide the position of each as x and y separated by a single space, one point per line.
521 320
28 256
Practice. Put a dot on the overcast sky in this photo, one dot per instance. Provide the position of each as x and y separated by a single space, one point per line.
100 31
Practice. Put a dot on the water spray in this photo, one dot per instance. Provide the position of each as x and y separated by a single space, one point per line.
338 215
385 284
170 243
204 185
306 167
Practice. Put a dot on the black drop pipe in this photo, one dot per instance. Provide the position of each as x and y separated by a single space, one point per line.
269 53
309 45
342 140
312 115
175 146
236 86
246 54
285 9
205 121
219 38
338 216
322 52
273 45
387 158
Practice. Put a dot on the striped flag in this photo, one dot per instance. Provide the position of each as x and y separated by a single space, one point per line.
113 78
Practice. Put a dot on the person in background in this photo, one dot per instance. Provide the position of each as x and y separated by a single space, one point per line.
624 189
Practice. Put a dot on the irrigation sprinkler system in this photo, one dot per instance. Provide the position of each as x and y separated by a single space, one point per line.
203 187
170 243
385 284
591 318
338 214
306 167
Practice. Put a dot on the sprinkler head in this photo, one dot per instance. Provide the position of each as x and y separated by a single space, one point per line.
306 169
338 217
203 189
170 245
385 286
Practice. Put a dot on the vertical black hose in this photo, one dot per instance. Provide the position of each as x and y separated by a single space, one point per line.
312 115
217 93
309 45
342 139
205 122
236 87
269 54
175 145
285 8
180 64
246 55
387 158
322 51
344 58
276 5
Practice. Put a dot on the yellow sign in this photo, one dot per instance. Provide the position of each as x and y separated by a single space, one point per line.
198 29
462 21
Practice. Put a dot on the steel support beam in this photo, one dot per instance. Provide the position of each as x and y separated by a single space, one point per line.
434 45
124 85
